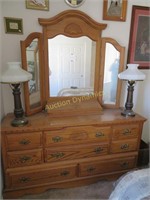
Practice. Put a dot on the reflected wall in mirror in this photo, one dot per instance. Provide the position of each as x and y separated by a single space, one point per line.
32 62
71 66
113 61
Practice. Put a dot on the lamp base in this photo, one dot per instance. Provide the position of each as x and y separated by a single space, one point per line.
19 122
127 113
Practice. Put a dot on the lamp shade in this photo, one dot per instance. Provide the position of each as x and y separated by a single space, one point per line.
15 74
132 73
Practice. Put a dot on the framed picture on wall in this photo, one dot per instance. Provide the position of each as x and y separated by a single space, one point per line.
13 25
139 41
114 10
37 4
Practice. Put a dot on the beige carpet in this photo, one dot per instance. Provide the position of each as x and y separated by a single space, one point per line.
100 190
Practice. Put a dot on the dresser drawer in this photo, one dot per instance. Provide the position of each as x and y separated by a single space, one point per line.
125 132
22 141
124 146
100 167
75 152
41 176
25 158
76 135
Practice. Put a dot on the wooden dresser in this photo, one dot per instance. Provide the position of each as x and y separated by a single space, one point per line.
67 151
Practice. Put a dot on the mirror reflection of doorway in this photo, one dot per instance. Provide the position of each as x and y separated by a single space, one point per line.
71 64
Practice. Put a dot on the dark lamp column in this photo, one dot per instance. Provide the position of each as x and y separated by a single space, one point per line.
131 74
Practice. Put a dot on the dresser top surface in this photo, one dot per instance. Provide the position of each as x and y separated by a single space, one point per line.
43 121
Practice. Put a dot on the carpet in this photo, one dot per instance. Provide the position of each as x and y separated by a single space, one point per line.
100 190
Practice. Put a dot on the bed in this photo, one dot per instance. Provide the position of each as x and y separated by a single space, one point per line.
134 185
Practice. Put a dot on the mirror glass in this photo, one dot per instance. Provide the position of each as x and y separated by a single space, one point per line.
71 66
32 55
111 68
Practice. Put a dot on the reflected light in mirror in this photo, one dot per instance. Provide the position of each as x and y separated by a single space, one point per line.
110 74
71 66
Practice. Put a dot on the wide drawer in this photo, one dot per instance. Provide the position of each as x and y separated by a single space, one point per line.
75 152
76 135
125 132
100 167
22 141
40 176
25 158
123 146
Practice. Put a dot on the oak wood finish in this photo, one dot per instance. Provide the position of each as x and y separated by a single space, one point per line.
72 23
67 151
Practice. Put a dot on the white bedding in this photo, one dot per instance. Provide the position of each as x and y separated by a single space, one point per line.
134 185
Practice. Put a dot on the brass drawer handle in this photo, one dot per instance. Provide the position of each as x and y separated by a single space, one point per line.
98 149
57 139
126 131
65 173
99 134
58 155
125 146
24 142
24 179
91 169
24 159
124 164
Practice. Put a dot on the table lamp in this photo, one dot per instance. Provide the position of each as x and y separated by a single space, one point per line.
131 75
15 75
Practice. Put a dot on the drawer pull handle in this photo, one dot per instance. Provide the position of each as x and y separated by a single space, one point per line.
99 134
90 169
24 179
124 164
57 155
65 173
98 149
24 159
126 132
24 142
125 146
57 139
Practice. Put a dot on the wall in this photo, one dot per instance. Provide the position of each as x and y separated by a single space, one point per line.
11 43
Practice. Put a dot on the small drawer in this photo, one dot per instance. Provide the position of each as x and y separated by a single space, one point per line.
100 167
75 152
76 135
124 146
25 158
22 141
125 132
43 175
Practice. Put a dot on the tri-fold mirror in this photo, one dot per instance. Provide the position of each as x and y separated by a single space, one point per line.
70 60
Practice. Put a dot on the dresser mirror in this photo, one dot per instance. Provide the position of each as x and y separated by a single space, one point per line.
112 62
74 62
71 66
32 61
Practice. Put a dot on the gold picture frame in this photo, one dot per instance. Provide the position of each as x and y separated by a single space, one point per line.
115 10
13 25
37 4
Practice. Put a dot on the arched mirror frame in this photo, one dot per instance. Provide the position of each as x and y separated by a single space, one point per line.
121 50
24 44
72 23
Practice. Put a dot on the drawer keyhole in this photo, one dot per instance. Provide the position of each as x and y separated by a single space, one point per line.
98 149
